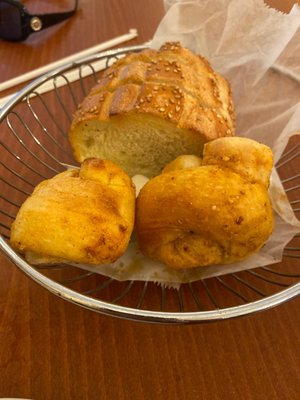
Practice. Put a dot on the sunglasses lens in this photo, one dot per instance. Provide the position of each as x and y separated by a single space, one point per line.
10 22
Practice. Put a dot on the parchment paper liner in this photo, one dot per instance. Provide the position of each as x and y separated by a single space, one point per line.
258 50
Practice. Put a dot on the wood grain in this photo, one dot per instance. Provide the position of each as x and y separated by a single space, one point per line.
282 5
53 350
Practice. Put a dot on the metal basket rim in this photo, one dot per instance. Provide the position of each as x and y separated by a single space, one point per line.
145 315
18 96
110 308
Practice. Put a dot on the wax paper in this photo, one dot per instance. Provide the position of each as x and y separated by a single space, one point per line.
258 50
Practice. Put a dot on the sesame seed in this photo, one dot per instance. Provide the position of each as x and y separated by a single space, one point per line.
161 109
92 109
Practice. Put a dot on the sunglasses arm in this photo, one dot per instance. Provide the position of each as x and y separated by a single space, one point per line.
42 21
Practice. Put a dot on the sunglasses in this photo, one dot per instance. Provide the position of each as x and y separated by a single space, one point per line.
16 23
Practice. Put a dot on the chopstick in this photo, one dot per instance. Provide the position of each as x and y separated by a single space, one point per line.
74 57
68 77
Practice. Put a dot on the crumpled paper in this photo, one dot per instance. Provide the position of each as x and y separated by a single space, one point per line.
258 50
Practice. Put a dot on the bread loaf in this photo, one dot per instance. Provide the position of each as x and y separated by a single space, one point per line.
150 107
83 216
215 213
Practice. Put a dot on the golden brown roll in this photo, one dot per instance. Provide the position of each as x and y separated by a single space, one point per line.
216 213
83 215
150 107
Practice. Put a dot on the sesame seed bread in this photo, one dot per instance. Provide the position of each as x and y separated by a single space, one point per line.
150 107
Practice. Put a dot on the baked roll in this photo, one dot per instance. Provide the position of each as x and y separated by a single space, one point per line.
82 215
215 213
150 107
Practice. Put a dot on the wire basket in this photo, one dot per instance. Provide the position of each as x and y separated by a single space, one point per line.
34 147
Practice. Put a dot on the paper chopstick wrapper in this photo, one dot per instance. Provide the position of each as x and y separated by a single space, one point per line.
71 76
243 40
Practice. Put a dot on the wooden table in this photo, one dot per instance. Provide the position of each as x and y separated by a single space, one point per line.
51 349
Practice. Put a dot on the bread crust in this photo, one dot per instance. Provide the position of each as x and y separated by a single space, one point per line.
172 84
215 213
83 216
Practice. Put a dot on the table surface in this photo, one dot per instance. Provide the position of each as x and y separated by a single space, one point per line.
52 349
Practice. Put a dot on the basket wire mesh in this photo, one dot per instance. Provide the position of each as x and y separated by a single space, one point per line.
34 147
